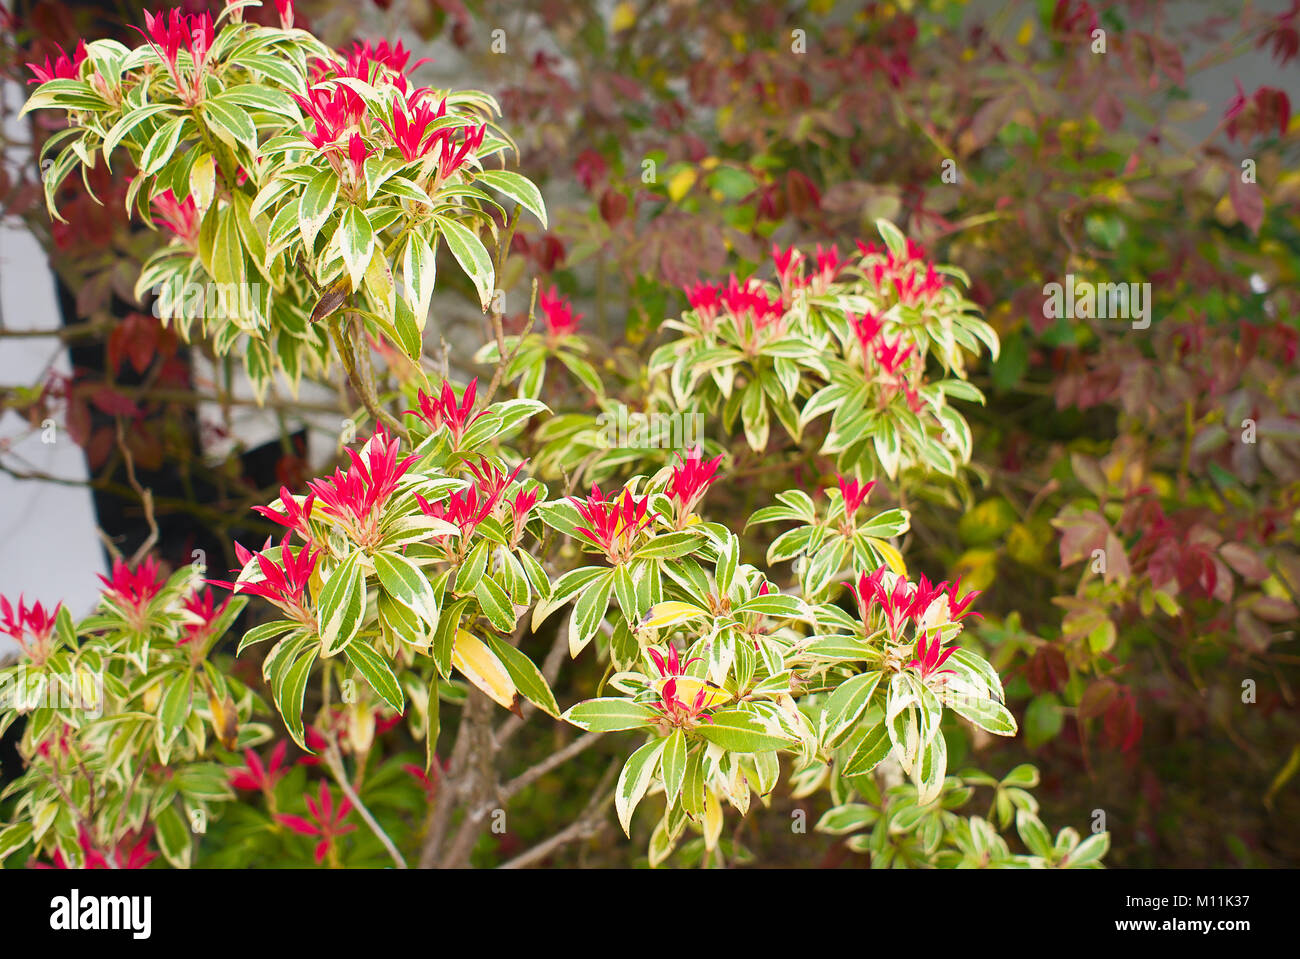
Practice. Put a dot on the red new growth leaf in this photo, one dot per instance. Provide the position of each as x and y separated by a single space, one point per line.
132 590
674 710
334 108
256 776
355 499
295 516
867 327
409 128
285 9
451 155
522 505
558 313
63 67
613 525
284 583
491 481
323 820
357 153
445 411
906 601
854 493
168 35
469 507
200 613
691 479
928 658
31 628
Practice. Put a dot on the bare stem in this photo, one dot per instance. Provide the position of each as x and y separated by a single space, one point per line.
556 759
334 761
588 824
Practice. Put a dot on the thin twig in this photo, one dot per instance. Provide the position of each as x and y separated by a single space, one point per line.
531 775
588 824
498 329
503 361
334 760
146 496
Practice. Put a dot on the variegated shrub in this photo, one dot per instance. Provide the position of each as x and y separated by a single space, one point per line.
407 583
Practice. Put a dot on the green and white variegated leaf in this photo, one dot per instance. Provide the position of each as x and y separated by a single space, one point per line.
418 275
773 604
290 692
674 765
472 256
964 660
634 780
902 719
403 581
767 771
517 187
342 604
1090 852
870 751
356 240
1034 834
846 705
930 770
175 838
988 714
610 714
265 631
564 589
377 673
789 545
588 612
848 818
495 603
743 731
316 204
13 838
528 679
670 546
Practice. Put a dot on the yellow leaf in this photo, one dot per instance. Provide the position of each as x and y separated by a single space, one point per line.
1026 544
681 184
976 568
712 821
1026 33
688 687
361 727
624 17
893 558
225 723
203 180
480 666
379 281
670 613
315 583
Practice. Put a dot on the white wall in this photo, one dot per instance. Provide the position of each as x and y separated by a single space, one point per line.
49 550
